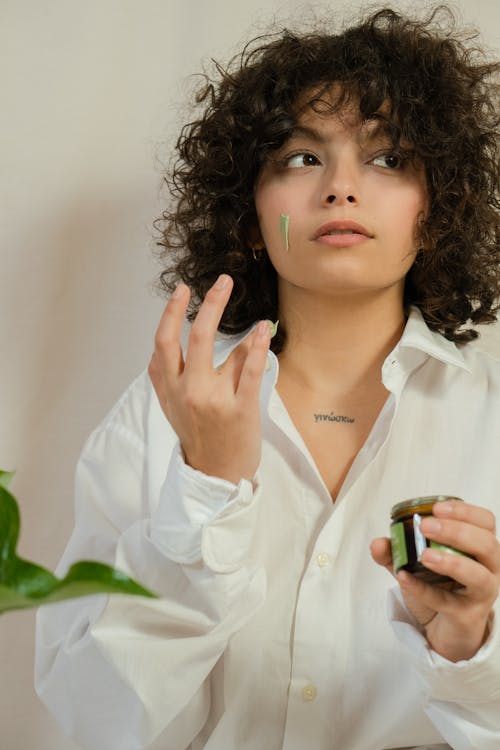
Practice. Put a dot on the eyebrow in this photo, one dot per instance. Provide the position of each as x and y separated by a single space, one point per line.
304 131
382 129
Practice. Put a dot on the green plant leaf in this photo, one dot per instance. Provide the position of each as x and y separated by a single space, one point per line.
24 584
5 477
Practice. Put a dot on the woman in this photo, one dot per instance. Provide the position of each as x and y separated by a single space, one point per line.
347 185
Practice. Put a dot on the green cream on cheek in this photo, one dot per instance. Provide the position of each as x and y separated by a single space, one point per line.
284 224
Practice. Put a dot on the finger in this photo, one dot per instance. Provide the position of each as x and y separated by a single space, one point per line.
381 552
168 358
234 363
254 364
465 537
478 582
426 598
200 352
466 512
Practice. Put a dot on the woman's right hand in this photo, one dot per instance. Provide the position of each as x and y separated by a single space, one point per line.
215 413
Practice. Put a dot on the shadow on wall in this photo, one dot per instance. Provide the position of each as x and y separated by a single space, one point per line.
86 319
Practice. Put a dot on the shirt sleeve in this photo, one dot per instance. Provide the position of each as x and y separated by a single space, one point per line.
462 698
118 671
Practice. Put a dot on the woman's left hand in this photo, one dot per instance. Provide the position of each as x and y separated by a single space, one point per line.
455 622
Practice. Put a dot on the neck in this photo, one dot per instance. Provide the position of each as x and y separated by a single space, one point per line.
337 345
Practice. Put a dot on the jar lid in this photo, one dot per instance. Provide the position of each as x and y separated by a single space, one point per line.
415 502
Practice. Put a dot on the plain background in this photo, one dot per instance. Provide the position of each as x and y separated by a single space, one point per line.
92 97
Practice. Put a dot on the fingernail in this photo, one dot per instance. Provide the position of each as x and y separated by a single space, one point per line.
444 507
273 327
430 525
263 329
179 289
431 556
222 281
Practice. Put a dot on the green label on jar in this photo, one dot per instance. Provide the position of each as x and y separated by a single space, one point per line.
398 544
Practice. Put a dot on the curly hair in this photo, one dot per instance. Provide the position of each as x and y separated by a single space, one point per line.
443 98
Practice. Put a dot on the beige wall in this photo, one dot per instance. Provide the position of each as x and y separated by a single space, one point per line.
90 95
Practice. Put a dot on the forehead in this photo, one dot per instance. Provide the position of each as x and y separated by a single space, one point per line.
317 107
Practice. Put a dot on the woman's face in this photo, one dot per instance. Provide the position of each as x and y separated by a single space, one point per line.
352 205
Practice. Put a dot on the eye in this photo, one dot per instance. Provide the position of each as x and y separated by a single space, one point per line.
388 161
300 159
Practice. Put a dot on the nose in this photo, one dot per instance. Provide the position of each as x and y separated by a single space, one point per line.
348 199
341 184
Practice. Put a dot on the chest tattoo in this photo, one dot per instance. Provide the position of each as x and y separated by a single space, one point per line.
331 417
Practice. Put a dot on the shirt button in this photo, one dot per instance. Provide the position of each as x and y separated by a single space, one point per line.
309 693
323 559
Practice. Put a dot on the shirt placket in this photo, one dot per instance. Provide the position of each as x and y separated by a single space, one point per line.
321 640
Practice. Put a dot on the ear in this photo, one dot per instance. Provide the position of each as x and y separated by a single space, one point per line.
255 239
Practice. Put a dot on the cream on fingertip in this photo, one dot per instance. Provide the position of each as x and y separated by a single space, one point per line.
273 327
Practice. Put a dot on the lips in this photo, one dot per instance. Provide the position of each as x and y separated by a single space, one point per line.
342 228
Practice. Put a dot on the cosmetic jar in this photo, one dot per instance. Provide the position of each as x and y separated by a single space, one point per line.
408 542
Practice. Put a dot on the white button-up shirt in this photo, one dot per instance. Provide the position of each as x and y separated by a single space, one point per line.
275 629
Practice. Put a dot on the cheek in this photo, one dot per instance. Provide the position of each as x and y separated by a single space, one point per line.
403 212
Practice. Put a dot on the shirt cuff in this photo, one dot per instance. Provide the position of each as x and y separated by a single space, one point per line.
468 681
200 518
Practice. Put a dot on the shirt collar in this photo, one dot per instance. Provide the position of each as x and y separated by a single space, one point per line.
225 343
417 340
418 337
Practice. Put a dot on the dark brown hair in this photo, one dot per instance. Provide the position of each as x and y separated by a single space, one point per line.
443 96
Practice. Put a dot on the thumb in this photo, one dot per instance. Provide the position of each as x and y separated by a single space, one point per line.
381 553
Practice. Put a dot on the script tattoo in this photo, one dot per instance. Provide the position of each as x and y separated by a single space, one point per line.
331 417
